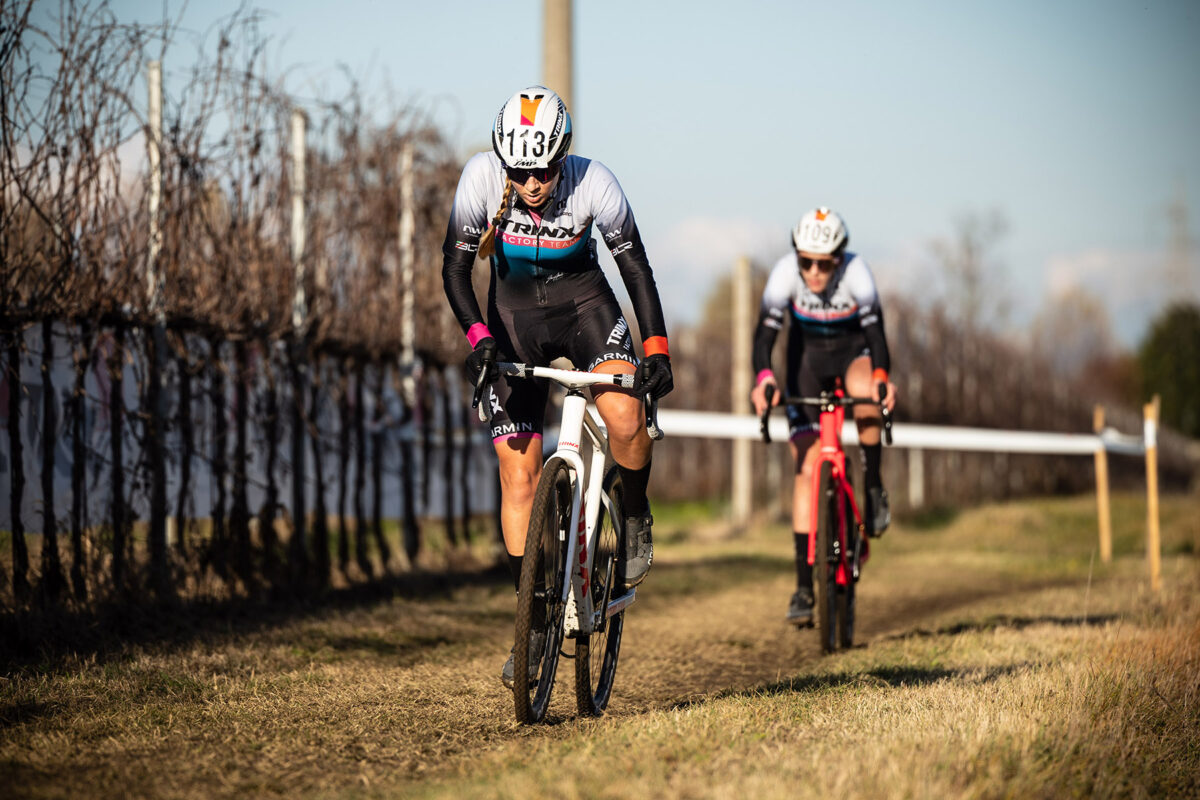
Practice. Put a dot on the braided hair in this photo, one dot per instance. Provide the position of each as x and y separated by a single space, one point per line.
487 242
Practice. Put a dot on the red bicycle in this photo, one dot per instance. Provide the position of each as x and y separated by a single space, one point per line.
837 549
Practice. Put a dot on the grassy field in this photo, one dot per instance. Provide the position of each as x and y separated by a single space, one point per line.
998 658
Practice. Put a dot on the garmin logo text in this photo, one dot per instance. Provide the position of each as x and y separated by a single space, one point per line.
509 428
613 356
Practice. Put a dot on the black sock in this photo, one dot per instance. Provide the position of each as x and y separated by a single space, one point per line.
514 566
633 483
803 568
871 456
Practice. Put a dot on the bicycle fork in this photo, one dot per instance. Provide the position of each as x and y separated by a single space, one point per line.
581 618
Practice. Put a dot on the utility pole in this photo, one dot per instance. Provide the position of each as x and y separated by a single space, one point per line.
558 50
1179 267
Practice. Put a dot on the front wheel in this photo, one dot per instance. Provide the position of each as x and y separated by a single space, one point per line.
826 566
596 655
540 601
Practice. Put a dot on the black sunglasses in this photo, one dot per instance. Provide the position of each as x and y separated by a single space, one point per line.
541 174
823 264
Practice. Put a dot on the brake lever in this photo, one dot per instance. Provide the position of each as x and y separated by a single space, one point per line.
484 409
887 415
651 405
763 426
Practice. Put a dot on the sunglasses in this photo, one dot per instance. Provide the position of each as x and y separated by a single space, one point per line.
540 174
823 264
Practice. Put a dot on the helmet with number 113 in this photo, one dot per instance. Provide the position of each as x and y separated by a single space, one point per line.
532 130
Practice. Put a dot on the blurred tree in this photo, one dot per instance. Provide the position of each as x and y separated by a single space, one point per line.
1071 330
975 293
1170 364
1111 378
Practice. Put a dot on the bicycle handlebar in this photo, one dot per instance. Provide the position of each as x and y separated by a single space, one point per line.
827 399
572 379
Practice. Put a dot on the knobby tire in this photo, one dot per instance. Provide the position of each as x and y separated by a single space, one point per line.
596 655
542 574
825 568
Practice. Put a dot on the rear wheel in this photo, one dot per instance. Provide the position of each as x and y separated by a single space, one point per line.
825 568
596 655
540 604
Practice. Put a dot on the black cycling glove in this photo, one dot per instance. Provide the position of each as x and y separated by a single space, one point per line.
654 376
482 358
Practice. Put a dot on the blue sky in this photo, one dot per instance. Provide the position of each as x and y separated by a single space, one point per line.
1079 120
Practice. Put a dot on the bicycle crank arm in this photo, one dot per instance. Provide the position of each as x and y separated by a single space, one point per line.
619 604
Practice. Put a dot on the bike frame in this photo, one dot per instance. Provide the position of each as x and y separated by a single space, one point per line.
833 416
581 618
587 493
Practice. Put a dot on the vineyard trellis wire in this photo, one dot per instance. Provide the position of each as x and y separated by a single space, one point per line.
73 296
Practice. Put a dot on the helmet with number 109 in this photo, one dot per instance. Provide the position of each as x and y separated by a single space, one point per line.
532 130
821 232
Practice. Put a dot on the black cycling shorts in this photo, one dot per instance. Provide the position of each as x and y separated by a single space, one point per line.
586 328
822 360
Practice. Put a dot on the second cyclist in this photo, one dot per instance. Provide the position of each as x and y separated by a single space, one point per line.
836 331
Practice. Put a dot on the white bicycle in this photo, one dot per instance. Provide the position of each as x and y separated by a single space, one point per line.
571 581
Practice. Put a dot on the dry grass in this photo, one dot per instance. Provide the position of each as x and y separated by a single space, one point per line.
1000 661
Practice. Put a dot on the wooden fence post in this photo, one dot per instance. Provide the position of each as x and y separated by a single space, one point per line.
741 493
1102 488
1153 543
916 478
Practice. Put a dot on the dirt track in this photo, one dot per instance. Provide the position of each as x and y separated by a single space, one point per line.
376 691
701 627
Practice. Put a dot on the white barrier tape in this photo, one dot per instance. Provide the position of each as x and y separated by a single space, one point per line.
1125 444
715 425
1150 433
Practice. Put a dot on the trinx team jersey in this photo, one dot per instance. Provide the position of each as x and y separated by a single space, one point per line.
849 307
536 251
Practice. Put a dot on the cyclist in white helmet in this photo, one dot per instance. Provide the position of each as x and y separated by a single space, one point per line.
836 331
529 208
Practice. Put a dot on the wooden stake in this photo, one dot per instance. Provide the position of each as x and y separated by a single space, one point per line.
1102 489
742 495
1153 543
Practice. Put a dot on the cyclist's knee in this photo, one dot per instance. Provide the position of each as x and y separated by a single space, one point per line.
518 484
805 450
518 478
624 425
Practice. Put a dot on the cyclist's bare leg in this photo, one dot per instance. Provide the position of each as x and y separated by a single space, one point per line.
520 467
622 414
866 417
869 420
806 450
629 445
